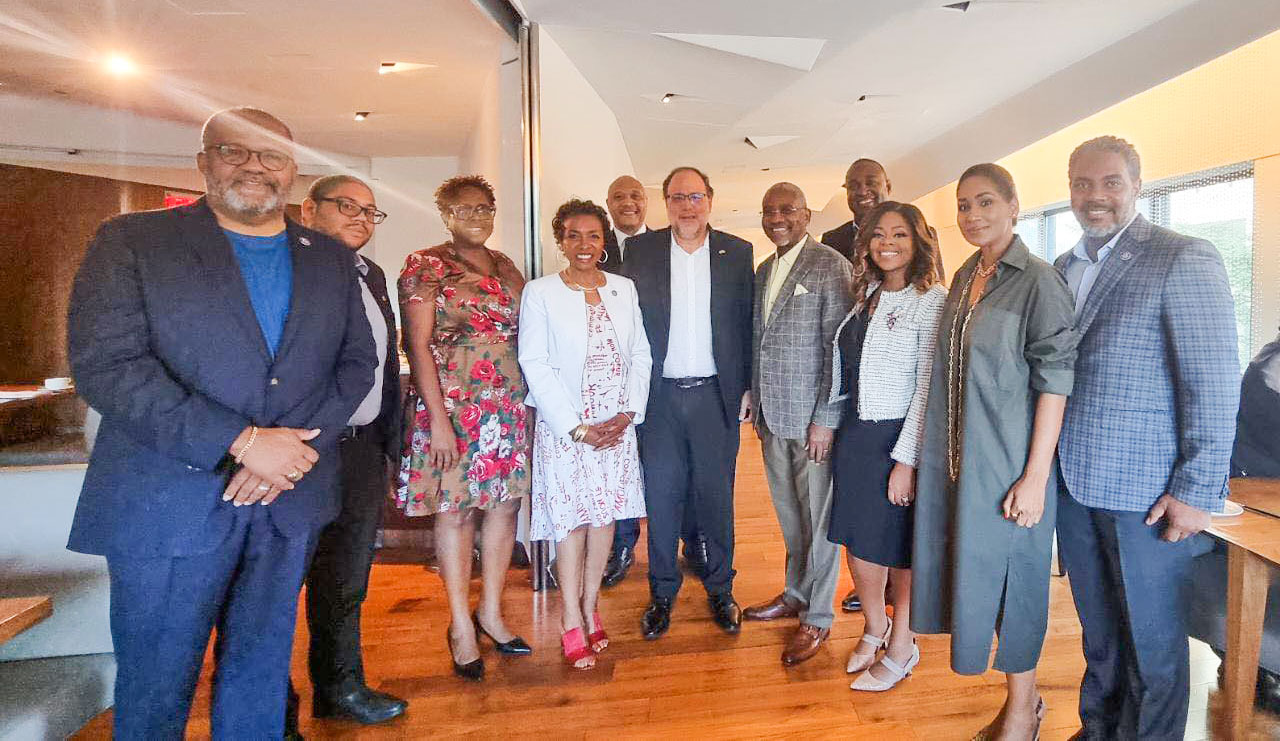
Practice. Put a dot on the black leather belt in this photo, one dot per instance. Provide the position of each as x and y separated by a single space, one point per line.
690 382
351 432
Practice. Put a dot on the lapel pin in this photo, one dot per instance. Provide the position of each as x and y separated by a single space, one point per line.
721 252
1126 255
615 293
304 241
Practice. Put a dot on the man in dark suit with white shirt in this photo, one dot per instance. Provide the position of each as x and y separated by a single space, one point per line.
344 208
866 186
223 386
628 205
695 286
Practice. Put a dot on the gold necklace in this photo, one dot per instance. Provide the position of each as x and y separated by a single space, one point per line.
955 378
985 272
576 287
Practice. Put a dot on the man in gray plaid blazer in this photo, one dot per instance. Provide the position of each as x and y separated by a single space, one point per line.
801 296
1146 442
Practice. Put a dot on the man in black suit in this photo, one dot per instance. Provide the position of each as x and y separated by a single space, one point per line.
344 208
695 287
225 348
628 204
866 186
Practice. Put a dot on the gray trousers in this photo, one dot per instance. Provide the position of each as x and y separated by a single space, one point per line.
801 493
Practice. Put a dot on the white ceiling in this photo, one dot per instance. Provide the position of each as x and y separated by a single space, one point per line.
314 64
926 71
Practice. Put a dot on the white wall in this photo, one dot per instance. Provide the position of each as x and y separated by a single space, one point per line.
404 187
582 145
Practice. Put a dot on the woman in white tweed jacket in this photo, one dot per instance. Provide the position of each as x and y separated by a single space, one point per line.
881 367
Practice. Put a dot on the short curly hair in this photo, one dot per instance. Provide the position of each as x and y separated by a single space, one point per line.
577 207
449 191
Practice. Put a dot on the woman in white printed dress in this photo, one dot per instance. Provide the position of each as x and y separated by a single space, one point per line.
585 357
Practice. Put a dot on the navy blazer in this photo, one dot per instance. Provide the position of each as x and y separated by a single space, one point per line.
163 342
612 254
390 413
648 263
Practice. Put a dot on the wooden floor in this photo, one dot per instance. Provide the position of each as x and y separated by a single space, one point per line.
695 681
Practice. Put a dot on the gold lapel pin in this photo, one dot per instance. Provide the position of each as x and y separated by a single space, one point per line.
721 252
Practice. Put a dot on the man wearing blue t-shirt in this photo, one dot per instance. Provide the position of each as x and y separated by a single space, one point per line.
226 349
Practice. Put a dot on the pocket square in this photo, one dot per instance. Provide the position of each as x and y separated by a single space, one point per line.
800 290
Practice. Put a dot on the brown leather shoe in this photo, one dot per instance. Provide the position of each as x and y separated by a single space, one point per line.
804 643
776 608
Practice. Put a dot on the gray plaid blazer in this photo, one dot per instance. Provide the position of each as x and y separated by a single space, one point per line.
791 348
1157 379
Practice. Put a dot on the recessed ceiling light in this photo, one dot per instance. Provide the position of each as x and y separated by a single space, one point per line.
962 7
668 97
388 67
362 115
120 65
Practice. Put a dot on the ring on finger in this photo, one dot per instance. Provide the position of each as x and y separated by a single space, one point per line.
264 487
295 475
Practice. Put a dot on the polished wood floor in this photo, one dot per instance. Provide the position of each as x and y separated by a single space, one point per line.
694 682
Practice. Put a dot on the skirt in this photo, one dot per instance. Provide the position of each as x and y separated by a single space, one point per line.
862 519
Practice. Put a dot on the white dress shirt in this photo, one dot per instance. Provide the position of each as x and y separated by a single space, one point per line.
1082 270
622 236
689 340
368 410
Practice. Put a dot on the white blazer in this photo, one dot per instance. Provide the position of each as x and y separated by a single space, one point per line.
553 347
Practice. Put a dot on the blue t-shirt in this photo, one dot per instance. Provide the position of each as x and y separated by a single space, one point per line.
267 269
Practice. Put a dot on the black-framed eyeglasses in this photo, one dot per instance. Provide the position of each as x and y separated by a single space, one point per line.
348 207
694 198
787 211
466 212
236 155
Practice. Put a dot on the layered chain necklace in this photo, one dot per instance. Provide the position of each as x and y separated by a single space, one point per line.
956 370
573 285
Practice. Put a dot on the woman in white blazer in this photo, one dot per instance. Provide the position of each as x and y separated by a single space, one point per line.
585 357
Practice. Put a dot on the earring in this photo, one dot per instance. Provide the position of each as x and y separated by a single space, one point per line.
603 258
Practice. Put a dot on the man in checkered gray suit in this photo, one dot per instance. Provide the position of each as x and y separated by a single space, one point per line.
1146 442
802 293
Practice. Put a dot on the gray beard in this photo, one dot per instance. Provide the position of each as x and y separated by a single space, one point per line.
244 209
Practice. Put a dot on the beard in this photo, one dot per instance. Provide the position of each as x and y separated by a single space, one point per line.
229 196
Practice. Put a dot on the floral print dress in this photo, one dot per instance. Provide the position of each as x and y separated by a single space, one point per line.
474 347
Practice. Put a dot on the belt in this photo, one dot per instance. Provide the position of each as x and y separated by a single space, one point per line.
351 432
690 382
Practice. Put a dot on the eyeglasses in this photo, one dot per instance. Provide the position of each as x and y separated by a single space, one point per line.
694 198
348 207
787 211
236 155
466 212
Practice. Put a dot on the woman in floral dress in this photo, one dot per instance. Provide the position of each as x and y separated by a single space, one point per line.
584 352
469 441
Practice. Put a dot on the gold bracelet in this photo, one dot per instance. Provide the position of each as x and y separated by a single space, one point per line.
579 433
253 435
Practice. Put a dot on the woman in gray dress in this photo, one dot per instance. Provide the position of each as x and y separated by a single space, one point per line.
985 507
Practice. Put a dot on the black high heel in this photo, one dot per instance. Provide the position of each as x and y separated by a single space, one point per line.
472 670
514 647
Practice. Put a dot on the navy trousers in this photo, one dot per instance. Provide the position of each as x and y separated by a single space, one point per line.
163 610
1129 589
687 451
627 532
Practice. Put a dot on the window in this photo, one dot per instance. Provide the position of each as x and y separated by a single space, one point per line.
1216 205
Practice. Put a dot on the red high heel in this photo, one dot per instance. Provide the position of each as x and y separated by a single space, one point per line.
598 638
576 649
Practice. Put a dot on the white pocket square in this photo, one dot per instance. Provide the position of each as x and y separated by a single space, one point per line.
800 290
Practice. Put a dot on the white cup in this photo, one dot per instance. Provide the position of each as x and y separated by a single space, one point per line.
57 384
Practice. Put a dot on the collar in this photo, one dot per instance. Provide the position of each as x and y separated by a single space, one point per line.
622 236
706 243
1016 256
1080 253
791 255
361 265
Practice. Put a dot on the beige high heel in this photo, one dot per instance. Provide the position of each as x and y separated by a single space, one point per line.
986 734
861 662
867 682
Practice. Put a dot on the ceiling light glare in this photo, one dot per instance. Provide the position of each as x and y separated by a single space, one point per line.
362 115
120 65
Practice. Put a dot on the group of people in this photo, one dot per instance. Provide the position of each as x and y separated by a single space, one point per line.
940 436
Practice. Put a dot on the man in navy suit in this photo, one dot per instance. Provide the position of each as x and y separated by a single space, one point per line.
343 207
225 348
695 285
1146 442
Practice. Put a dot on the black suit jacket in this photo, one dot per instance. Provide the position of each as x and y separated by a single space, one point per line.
163 342
612 254
391 413
841 239
648 263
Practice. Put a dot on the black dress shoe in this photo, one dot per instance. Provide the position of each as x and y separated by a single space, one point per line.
363 705
619 564
472 670
851 603
514 647
695 557
657 619
725 613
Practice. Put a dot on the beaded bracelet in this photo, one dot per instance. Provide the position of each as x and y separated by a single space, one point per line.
253 435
